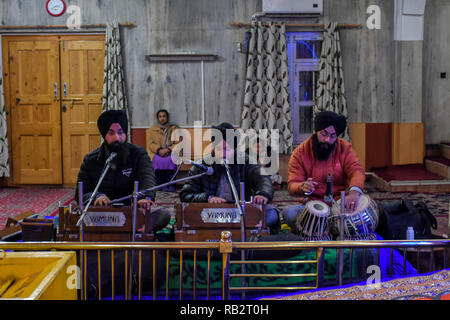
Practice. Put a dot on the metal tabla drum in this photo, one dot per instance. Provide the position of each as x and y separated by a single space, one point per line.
312 222
359 224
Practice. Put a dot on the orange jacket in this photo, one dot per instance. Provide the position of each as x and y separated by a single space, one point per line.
343 164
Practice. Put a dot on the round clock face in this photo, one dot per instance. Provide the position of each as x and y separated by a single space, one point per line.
56 7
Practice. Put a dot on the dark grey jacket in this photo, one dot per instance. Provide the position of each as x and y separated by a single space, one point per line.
117 183
200 189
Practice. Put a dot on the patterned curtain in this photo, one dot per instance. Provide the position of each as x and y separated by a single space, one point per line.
266 100
4 155
330 94
114 93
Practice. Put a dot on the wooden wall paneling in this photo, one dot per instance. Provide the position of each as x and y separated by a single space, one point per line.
408 143
357 132
138 137
378 145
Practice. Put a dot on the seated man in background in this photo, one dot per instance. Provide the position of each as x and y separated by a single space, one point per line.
316 157
216 188
132 163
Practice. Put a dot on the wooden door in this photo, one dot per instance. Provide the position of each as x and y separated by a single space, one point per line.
53 89
82 65
35 109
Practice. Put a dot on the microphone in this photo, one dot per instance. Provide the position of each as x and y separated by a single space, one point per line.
209 171
110 158
329 191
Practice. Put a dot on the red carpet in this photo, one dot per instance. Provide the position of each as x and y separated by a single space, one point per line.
43 201
441 160
406 172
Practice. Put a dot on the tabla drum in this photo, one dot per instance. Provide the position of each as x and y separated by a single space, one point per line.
312 222
359 224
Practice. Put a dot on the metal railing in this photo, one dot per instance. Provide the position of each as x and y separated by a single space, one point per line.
224 251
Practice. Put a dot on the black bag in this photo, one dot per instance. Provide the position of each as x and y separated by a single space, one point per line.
395 216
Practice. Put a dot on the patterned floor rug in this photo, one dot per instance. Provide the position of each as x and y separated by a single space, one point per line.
43 201
429 286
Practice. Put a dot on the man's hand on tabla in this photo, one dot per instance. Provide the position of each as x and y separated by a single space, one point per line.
351 201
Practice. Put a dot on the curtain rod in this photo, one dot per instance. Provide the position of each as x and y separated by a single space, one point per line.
302 25
125 24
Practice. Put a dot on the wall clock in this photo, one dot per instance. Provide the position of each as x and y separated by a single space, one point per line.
55 7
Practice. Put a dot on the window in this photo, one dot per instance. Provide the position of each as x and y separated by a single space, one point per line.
303 62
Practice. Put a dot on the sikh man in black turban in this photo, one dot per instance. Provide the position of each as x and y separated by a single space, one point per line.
216 188
321 154
131 164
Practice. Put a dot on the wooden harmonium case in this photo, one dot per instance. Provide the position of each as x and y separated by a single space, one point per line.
102 224
206 221
35 229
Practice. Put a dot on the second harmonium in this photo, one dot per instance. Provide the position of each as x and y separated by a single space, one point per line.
206 221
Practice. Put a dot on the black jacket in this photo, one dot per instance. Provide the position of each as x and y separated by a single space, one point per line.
200 189
117 183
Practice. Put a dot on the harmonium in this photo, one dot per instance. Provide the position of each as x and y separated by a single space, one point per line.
104 224
206 221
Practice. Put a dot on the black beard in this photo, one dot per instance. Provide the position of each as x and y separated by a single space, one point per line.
114 146
322 150
122 153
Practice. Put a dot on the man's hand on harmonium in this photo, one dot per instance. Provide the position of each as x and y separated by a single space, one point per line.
101 200
146 204
216 200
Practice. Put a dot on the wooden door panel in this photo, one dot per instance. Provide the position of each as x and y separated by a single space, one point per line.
82 65
35 114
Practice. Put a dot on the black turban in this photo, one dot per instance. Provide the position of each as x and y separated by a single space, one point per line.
324 119
223 127
109 117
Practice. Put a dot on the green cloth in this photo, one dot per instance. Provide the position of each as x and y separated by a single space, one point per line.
329 271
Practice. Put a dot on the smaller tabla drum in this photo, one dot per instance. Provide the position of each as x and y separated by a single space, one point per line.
312 222
359 224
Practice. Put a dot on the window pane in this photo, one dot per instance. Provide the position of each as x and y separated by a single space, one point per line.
307 49
306 85
305 114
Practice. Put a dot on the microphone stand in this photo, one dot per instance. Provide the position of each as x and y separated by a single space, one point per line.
241 209
144 191
134 206
340 255
92 195
236 199
82 261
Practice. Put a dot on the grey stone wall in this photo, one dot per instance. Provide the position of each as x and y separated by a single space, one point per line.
386 81
436 60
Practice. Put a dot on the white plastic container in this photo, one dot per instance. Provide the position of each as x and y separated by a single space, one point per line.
410 233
